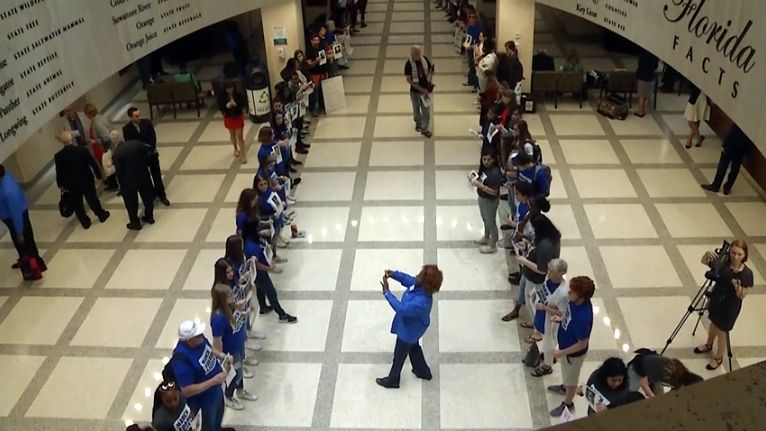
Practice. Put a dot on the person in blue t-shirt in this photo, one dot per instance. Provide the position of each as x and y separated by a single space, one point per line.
229 334
532 173
575 326
473 31
412 318
199 373
271 206
15 215
245 274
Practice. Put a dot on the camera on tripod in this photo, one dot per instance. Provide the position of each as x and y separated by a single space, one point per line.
719 263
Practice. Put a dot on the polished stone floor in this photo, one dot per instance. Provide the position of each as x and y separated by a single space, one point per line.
82 349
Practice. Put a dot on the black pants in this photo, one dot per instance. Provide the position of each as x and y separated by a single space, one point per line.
154 169
418 361
89 193
130 197
264 288
29 247
726 159
362 7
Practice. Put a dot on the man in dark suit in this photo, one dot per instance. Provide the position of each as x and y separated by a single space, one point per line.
131 161
75 168
141 129
735 147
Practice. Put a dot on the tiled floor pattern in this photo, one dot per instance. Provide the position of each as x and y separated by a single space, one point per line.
83 348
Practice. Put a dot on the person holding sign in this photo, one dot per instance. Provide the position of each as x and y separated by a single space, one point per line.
418 71
412 318
232 104
199 374
550 300
316 61
608 386
229 335
574 331
170 411
487 186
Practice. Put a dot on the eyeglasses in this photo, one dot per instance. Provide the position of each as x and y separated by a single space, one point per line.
167 386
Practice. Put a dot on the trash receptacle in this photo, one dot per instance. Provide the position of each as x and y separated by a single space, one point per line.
258 95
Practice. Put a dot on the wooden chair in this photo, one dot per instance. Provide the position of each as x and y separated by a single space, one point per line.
160 93
621 81
185 92
571 82
545 82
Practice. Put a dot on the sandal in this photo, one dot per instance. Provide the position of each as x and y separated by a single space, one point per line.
530 339
542 371
526 325
718 362
707 348
688 143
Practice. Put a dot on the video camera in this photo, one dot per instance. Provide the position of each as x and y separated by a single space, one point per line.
719 263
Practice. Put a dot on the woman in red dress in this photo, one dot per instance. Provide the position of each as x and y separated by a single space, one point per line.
232 103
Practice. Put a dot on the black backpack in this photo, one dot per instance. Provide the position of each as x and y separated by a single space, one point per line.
168 375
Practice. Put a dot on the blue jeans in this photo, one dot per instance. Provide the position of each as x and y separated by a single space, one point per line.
212 413
421 113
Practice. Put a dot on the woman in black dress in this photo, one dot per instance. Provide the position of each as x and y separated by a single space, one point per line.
726 299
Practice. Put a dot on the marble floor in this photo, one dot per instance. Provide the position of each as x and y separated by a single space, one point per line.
83 348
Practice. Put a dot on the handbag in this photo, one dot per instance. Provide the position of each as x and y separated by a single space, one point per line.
66 206
532 357
30 268
613 107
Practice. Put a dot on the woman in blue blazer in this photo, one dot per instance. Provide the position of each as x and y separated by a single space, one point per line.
413 315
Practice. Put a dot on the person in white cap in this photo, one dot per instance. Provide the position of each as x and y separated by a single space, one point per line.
199 373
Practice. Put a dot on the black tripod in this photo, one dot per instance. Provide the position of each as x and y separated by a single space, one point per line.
698 305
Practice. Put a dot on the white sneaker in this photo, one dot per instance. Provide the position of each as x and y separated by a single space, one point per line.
254 347
245 395
282 242
251 362
487 249
256 335
275 270
290 200
233 403
280 259
247 373
482 241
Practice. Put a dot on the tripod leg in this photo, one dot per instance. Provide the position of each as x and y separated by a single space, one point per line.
728 349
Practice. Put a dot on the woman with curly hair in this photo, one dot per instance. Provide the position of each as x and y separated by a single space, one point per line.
412 318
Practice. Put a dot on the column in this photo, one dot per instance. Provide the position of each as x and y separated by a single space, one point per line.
515 20
284 19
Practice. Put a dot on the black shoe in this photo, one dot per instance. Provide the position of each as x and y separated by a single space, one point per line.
514 279
305 145
364 25
726 191
16 265
265 310
111 188
286 318
148 220
387 383
710 188
428 377
301 150
104 216
342 67
293 171
165 201
296 181
134 226
295 162
85 223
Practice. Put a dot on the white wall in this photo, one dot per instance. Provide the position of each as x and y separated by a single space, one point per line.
36 153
